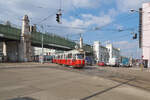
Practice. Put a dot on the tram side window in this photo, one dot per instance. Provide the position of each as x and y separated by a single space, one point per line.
80 56
74 57
61 56
69 55
64 56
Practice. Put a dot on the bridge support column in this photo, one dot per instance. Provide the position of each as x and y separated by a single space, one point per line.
25 49
4 51
12 51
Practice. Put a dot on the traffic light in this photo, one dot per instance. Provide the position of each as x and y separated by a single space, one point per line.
135 36
58 18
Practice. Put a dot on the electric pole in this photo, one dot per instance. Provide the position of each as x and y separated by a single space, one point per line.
42 47
140 27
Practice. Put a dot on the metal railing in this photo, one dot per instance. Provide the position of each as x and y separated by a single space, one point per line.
36 37
10 32
51 39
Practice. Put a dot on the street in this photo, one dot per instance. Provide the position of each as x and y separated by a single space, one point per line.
35 81
75 50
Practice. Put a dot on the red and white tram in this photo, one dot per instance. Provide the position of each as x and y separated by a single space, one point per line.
74 58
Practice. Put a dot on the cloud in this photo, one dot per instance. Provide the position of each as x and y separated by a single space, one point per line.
125 44
14 10
128 48
41 7
126 5
101 20
88 21
86 3
97 20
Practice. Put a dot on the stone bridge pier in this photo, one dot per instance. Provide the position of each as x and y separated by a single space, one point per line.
25 51
14 51
11 51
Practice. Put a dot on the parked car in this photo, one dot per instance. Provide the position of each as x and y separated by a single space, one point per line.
114 62
125 62
101 64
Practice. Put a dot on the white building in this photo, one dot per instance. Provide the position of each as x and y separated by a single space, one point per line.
38 51
113 52
100 52
146 32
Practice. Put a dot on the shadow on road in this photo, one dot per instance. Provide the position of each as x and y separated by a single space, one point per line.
106 90
22 98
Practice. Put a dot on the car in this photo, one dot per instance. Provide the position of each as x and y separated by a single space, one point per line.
114 62
101 64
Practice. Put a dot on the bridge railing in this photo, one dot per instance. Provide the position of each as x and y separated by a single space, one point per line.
10 32
51 39
36 37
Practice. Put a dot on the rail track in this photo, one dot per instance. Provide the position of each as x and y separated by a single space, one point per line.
138 82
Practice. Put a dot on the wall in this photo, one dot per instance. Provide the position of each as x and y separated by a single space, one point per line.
101 53
96 49
146 32
113 52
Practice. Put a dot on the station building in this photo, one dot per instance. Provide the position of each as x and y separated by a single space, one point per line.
103 54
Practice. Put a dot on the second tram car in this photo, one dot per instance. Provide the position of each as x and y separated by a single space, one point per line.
74 58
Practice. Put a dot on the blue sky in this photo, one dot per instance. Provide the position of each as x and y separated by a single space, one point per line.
107 15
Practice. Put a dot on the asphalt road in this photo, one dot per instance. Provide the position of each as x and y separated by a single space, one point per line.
32 81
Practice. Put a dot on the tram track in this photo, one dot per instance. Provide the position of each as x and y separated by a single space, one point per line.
119 77
138 82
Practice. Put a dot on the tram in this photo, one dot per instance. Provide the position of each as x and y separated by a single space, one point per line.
74 58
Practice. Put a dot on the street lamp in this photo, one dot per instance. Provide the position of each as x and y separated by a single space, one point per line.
133 10
140 11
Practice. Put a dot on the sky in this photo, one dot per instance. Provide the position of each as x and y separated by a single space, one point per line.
96 20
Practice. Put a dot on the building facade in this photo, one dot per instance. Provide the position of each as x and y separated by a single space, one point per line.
146 32
113 52
101 53
46 51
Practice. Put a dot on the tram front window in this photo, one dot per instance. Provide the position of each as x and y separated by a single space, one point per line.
80 56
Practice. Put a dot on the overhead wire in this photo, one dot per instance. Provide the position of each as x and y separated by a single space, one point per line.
44 19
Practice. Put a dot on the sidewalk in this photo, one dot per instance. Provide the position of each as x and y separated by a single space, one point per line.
25 64
139 69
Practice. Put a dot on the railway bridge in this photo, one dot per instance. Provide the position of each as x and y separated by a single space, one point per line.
17 43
